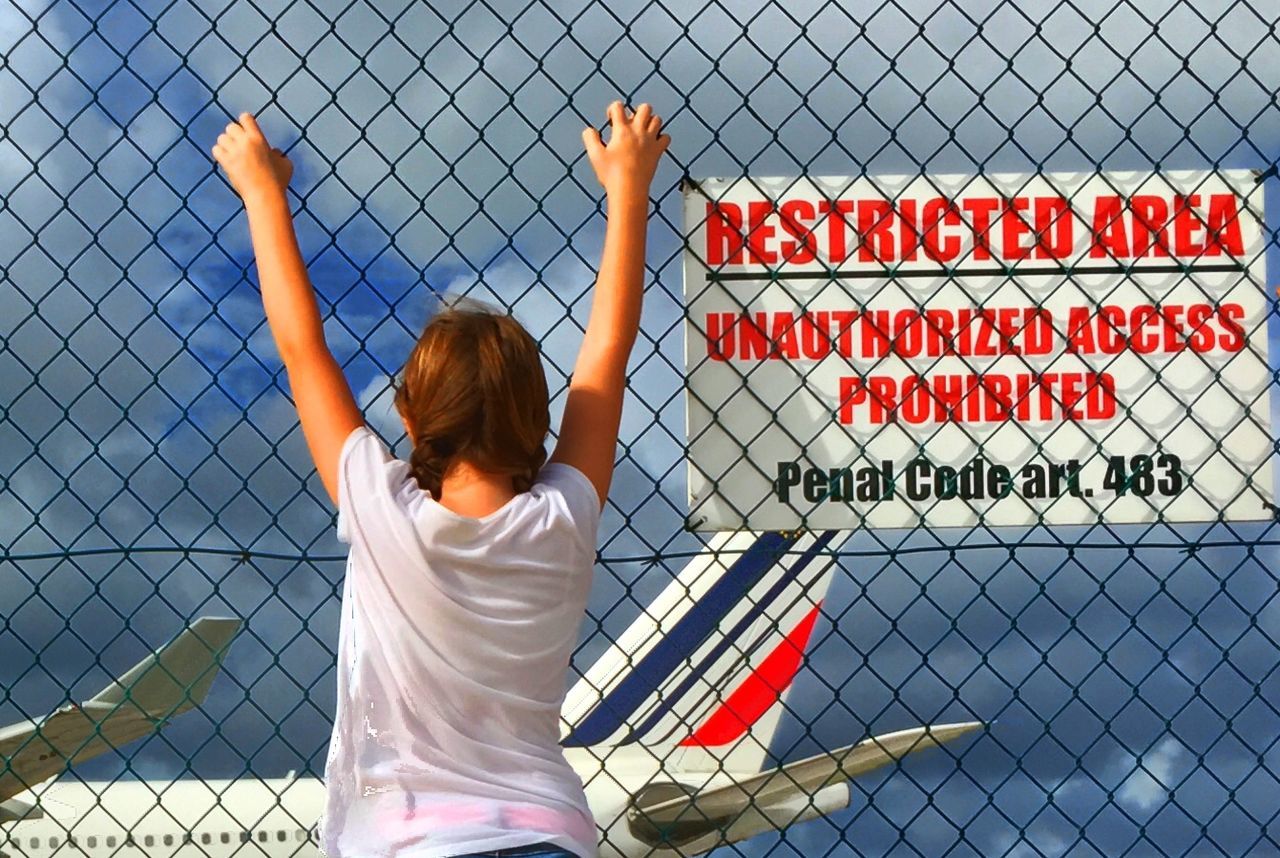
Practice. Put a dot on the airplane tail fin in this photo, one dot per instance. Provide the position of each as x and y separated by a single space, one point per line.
703 672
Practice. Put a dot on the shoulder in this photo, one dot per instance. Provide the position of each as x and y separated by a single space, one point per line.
365 454
372 482
569 493
562 476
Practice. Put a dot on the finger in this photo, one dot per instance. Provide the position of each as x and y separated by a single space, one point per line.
233 129
655 125
617 114
591 140
664 140
643 112
250 124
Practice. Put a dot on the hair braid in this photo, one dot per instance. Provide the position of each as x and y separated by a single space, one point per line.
429 461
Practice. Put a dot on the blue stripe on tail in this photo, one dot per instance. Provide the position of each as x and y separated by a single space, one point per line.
688 634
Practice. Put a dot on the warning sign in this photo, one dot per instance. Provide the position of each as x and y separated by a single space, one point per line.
948 350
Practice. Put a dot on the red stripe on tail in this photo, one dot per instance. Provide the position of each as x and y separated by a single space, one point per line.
759 691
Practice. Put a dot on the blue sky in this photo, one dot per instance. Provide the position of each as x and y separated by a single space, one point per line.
437 149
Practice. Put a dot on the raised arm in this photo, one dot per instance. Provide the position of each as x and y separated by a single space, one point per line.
593 411
326 408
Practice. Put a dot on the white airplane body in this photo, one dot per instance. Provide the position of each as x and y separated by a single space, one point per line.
670 731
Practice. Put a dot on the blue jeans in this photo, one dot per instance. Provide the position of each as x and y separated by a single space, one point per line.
533 850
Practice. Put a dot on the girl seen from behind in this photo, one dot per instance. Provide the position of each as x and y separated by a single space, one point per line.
470 564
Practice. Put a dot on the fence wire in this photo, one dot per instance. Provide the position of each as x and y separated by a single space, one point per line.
152 470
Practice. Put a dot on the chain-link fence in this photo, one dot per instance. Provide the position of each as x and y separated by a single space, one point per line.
154 472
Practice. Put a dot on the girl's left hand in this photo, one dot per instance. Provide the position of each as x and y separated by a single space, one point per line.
252 166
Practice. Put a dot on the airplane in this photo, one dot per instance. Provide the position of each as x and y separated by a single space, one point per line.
172 680
670 731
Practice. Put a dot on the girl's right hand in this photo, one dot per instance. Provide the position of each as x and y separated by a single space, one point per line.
252 165
628 162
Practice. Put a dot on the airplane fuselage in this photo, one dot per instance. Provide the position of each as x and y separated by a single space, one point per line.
194 818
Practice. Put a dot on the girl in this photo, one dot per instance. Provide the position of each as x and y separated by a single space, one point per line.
470 564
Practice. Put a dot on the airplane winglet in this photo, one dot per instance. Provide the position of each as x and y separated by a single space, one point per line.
811 775
701 817
881 750
176 677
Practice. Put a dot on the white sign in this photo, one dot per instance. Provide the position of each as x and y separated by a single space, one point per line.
949 350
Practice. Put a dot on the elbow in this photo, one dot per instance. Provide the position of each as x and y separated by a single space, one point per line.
295 351
291 351
611 349
300 344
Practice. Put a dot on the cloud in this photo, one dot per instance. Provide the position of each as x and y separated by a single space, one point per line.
1154 775
377 400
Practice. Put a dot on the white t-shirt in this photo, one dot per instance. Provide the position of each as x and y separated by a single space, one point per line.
453 650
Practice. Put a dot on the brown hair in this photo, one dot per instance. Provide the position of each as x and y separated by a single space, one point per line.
473 389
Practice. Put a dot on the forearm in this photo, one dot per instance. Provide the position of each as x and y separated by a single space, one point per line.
615 308
287 295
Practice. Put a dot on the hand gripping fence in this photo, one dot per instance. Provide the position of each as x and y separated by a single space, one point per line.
153 476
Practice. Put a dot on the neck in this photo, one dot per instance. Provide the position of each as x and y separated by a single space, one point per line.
469 491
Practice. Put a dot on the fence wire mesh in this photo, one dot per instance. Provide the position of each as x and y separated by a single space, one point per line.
154 471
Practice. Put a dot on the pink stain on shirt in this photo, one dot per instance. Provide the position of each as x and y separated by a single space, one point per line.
402 823
534 818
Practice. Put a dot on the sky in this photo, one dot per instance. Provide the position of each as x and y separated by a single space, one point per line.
437 149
